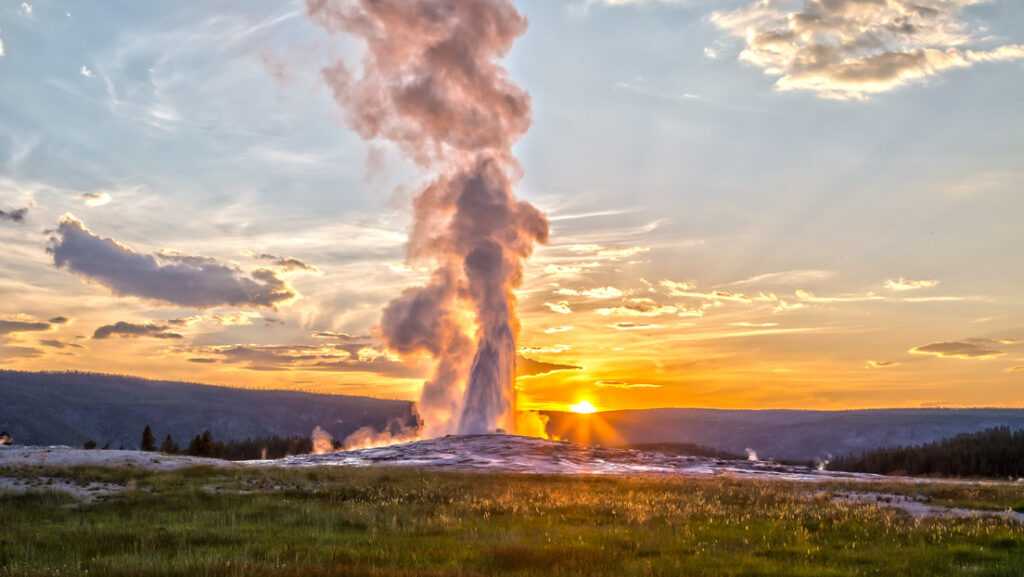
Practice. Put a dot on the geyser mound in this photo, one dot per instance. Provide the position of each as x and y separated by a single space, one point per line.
516 454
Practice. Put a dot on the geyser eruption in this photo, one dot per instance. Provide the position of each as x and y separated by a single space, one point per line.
431 82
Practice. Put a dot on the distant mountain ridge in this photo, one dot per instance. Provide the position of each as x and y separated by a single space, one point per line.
70 408
792 435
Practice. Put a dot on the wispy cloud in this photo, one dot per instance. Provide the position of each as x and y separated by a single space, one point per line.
21 325
810 297
903 284
627 326
625 385
847 49
599 293
882 364
327 357
552 349
125 329
95 199
787 277
560 307
957 349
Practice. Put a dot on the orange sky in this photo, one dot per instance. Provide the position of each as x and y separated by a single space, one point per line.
727 229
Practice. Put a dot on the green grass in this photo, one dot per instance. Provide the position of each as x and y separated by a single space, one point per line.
396 522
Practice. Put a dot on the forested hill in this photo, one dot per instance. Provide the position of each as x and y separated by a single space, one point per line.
781 434
49 408
996 452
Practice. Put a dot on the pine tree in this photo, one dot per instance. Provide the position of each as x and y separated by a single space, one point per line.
148 440
169 446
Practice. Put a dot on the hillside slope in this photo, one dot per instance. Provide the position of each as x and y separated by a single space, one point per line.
72 408
781 434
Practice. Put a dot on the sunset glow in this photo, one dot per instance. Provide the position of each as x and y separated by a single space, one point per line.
583 407
709 243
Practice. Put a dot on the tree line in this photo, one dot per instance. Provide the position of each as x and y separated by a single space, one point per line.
995 452
204 445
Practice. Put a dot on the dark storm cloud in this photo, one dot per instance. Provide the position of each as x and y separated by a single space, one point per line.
132 330
184 280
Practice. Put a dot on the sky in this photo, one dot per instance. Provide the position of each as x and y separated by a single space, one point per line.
804 204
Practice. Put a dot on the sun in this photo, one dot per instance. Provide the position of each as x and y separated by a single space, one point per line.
583 407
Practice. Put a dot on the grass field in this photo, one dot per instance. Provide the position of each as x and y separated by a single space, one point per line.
390 522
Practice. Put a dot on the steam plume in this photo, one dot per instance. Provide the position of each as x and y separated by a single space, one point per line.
323 442
431 83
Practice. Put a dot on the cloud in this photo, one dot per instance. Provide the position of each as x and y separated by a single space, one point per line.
633 2
335 358
553 330
94 199
560 307
678 288
1015 369
553 349
608 252
644 308
687 289
787 277
902 284
808 296
526 367
975 349
754 325
562 270
945 299
58 344
25 9
85 71
8 327
60 321
184 280
599 293
2 47
15 215
850 49
133 330
625 385
882 364
288 264
710 53
633 326
15 352
344 337
239 319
